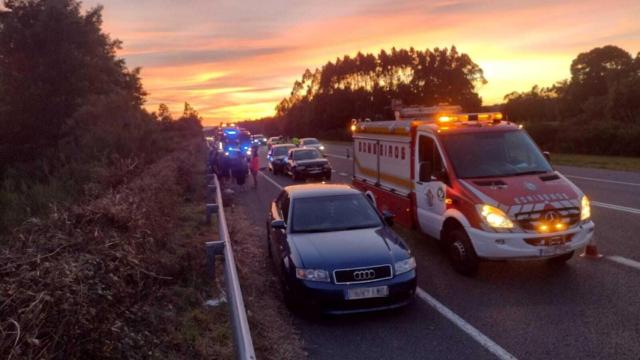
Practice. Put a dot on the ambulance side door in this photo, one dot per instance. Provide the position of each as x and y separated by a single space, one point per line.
430 187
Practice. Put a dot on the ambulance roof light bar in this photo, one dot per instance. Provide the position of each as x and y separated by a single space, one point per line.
493 117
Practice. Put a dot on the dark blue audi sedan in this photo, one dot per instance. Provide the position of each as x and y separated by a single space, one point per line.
334 252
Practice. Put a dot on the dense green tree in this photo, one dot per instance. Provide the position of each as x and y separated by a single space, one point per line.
362 86
54 59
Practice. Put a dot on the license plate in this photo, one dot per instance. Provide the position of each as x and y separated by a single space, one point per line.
555 250
367 293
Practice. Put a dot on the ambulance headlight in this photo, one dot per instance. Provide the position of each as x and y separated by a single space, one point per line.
585 208
494 217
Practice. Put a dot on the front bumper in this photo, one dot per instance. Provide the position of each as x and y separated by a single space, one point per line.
502 246
330 298
324 173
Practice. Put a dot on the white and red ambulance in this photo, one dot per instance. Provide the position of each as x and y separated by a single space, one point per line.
475 182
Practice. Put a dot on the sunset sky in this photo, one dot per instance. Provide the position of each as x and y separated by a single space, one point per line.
236 59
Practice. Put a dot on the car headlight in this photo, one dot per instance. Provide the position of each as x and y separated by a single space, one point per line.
313 275
321 147
403 266
494 217
585 209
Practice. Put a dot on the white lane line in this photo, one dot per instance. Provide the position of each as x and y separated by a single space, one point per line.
338 156
271 180
487 343
343 174
616 207
603 180
624 261
457 320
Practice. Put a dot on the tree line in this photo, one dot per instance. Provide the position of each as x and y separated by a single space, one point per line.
324 101
595 111
70 109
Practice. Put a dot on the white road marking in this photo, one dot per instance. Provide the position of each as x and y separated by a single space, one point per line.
453 317
343 174
483 340
602 180
624 261
338 156
271 180
616 207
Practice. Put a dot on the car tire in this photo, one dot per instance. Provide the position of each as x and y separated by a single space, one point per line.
562 259
287 295
269 251
461 253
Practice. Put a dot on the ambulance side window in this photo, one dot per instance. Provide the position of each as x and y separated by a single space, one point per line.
428 151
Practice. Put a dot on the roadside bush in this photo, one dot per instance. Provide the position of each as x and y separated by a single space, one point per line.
89 281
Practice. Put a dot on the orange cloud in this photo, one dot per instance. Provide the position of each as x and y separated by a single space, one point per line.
235 60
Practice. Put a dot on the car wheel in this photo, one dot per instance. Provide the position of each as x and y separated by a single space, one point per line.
461 253
287 295
269 252
328 178
562 259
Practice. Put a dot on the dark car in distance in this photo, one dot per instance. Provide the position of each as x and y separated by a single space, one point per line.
334 252
277 157
305 163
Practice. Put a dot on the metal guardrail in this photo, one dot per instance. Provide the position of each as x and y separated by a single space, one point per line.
239 323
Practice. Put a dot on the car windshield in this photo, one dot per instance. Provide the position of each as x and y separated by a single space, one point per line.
310 142
281 150
494 154
307 154
333 213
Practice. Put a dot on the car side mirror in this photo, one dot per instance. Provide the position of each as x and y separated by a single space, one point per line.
547 155
425 171
278 224
388 217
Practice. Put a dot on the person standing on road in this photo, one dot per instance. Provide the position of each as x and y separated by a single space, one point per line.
254 166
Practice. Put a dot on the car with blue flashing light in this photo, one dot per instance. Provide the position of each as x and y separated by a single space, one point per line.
307 163
335 253
277 158
232 147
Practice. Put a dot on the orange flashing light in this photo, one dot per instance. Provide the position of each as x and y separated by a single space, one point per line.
353 127
448 201
445 119
560 226
544 228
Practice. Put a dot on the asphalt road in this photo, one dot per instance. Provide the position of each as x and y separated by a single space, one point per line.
588 309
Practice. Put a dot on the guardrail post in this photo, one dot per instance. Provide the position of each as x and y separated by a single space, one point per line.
211 192
210 210
213 248
348 153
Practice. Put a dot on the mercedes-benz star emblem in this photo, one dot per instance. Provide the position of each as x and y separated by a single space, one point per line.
364 275
551 216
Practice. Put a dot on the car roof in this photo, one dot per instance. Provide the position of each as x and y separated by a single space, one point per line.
304 149
303 139
283 145
318 190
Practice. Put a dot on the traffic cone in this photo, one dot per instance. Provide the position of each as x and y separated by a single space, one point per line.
591 250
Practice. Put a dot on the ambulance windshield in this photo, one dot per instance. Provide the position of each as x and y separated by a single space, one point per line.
494 154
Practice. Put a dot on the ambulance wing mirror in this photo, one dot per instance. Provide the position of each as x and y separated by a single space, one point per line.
547 155
425 171
388 217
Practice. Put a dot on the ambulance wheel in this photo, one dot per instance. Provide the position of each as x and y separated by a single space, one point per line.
559 260
461 253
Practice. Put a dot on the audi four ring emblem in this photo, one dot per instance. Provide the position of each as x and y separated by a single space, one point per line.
364 274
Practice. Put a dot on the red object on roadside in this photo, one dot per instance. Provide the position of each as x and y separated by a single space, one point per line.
255 163
591 250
